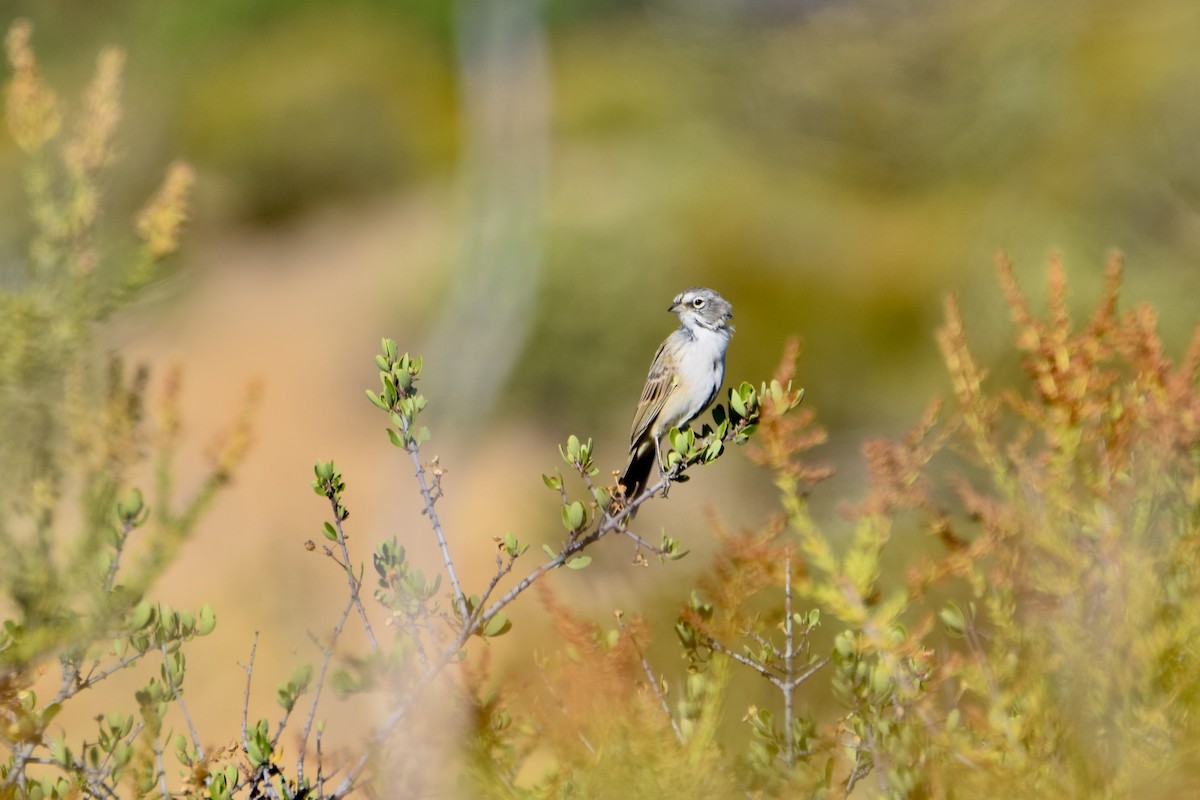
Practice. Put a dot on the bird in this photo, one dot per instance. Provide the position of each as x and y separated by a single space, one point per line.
684 379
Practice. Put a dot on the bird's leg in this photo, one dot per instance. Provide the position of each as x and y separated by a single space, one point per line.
662 473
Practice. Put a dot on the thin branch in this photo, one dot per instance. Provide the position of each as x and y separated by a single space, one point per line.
763 641
246 698
761 669
162 768
101 772
93 678
658 551
654 686
283 721
354 582
178 692
789 754
808 673
413 449
563 708
320 766
502 569
115 564
861 769
70 679
326 659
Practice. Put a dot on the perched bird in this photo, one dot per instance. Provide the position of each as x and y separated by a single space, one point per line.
684 379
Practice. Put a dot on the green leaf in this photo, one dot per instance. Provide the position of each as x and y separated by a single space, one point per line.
206 621
330 532
682 440
498 625
579 562
344 684
549 551
395 437
142 614
552 481
131 505
571 453
953 618
121 755
60 752
736 404
50 712
374 398
302 676
573 515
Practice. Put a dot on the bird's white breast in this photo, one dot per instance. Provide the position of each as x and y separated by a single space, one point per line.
700 365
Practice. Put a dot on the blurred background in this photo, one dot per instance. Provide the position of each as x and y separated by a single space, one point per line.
517 189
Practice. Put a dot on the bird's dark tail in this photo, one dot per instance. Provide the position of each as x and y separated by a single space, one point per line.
637 474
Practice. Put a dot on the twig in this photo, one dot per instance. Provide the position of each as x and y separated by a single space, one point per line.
178 692
327 658
161 767
355 583
246 698
94 678
658 551
654 687
860 771
563 708
413 449
114 565
502 569
761 669
101 770
320 766
788 659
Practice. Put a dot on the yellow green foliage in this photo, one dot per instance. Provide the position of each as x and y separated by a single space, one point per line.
75 435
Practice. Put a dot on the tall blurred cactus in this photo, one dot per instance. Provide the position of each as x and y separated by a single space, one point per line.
504 101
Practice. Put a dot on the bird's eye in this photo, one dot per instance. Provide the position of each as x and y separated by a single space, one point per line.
698 302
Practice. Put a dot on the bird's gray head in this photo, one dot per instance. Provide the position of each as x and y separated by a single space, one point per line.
701 307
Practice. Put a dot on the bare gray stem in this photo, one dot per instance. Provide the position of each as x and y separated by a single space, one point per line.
326 658
789 655
246 697
354 582
654 686
414 452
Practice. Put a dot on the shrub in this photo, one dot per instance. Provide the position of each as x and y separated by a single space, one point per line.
1009 609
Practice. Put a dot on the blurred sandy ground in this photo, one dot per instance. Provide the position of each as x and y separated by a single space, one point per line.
833 169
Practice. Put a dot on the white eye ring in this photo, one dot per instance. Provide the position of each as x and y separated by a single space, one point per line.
698 302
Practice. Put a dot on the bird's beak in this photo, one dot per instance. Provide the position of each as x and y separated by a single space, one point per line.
673 307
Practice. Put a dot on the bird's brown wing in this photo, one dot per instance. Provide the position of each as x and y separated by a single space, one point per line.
659 385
